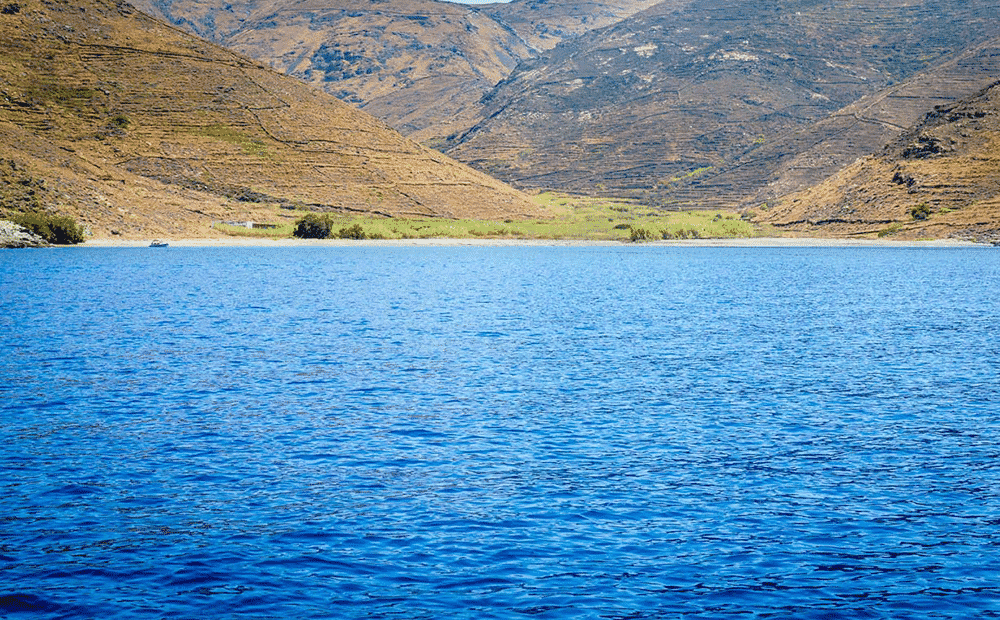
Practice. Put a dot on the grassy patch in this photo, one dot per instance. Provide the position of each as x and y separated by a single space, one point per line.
576 218
68 96
251 146
598 219
693 174
890 230
283 231
356 227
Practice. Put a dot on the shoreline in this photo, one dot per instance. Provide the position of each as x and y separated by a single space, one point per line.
754 242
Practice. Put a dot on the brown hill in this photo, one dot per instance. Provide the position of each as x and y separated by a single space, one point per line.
670 104
137 128
941 178
546 23
416 64
807 156
420 65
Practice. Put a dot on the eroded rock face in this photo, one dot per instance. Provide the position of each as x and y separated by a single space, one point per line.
13 236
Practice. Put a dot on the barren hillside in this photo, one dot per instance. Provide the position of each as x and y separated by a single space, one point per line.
661 104
139 129
941 178
546 23
420 65
807 156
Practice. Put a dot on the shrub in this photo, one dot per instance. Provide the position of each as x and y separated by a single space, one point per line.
681 233
640 234
920 212
352 232
313 226
57 229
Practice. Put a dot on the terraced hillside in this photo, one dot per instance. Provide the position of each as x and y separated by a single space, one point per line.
674 104
420 65
139 129
807 156
941 178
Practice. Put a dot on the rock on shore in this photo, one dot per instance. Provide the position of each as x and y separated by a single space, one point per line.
13 236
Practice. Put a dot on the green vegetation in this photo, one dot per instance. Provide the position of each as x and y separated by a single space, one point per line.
120 121
576 218
599 219
280 231
325 226
116 126
693 174
313 226
891 229
52 93
57 229
356 231
251 146
920 212
640 234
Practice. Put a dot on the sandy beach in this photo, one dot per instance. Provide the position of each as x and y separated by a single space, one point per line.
757 242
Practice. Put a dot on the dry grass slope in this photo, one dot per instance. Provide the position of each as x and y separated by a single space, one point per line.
141 130
939 179
420 65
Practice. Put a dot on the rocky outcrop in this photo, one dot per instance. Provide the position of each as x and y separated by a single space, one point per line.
940 178
13 236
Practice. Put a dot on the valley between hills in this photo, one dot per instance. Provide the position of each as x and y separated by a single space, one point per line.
603 120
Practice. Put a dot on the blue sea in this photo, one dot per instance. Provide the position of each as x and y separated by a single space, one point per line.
500 432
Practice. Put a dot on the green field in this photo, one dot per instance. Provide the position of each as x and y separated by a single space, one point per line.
574 218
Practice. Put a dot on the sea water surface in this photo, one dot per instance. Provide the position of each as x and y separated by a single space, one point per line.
493 432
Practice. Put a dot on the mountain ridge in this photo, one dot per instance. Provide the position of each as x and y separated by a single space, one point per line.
655 105
420 65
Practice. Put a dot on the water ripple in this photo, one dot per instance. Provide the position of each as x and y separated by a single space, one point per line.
500 433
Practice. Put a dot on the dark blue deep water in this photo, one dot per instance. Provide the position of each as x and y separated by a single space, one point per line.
551 432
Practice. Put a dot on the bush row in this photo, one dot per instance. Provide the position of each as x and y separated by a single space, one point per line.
57 229
320 226
647 234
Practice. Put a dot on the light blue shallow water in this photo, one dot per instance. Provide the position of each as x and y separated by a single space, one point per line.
630 432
